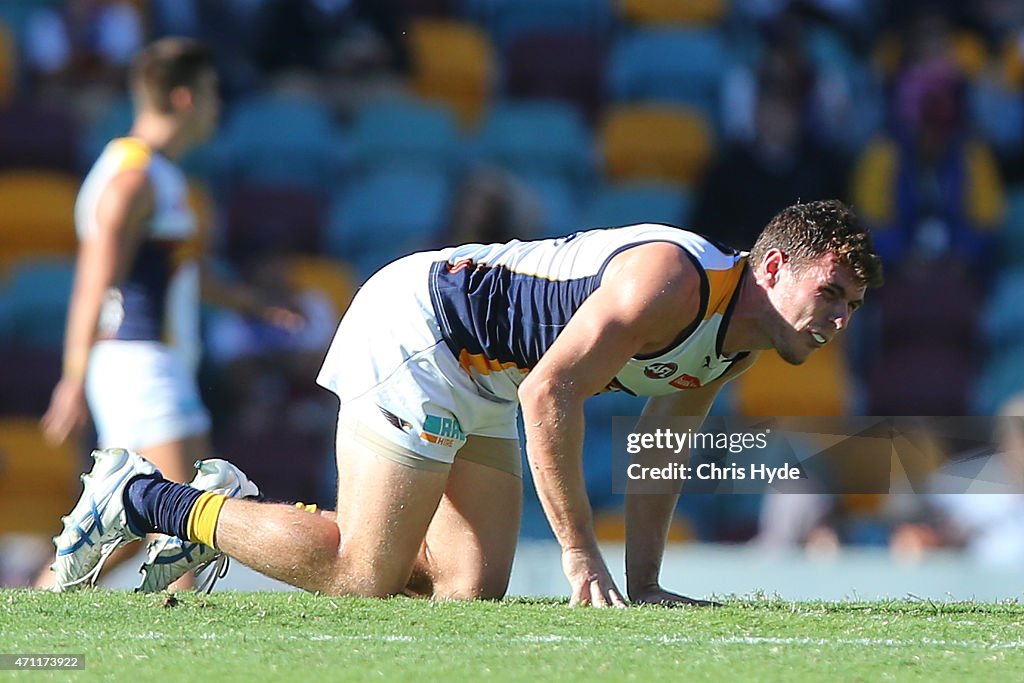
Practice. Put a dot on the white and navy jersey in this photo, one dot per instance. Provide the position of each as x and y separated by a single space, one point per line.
500 307
158 300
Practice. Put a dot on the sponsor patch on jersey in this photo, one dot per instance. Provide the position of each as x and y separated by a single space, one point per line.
685 381
660 370
443 431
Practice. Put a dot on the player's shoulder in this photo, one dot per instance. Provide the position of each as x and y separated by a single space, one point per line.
127 154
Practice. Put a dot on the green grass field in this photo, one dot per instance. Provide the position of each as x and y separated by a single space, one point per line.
300 637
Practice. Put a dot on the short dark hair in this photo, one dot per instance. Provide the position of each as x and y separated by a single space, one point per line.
166 64
809 231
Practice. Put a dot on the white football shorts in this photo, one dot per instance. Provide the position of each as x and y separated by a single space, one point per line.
395 375
142 394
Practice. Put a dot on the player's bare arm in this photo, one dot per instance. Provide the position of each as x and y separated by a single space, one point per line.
647 296
219 291
103 260
648 516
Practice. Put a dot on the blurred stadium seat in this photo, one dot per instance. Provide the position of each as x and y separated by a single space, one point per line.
538 138
36 214
259 455
332 277
929 341
282 141
1012 238
673 11
30 374
8 64
281 219
1002 321
453 62
821 386
1000 378
556 197
427 8
37 293
678 66
638 203
386 214
406 134
564 65
37 136
655 142
507 19
37 481
114 121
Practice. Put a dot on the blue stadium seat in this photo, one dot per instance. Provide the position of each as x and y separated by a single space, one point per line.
680 66
114 122
1012 237
535 137
507 19
558 205
1002 377
385 215
1003 321
598 451
406 134
282 141
37 292
638 203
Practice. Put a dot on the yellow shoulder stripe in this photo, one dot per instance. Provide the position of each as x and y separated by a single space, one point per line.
133 154
722 284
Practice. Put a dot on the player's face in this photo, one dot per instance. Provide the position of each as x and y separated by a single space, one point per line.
813 302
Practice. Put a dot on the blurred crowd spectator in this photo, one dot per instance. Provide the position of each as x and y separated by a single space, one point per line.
358 130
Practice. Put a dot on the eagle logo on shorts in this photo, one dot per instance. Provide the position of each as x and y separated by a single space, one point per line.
398 422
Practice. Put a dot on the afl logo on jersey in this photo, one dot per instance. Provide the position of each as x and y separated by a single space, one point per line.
660 370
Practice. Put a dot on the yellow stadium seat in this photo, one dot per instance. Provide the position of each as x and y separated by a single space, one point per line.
1013 63
966 49
674 11
8 64
773 387
329 276
454 62
610 527
655 142
970 53
37 481
36 214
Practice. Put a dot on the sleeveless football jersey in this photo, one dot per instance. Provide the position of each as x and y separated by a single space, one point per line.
500 307
159 297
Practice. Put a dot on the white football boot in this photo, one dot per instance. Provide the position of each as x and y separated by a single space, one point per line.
97 526
169 558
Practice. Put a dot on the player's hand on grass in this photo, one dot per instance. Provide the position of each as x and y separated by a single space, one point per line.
656 595
67 413
590 580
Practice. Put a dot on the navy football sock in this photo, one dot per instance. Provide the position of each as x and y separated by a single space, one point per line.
154 504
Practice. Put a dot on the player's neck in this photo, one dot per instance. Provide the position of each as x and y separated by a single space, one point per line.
162 133
746 331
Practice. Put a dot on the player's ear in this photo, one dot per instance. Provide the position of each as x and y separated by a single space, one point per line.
182 99
773 261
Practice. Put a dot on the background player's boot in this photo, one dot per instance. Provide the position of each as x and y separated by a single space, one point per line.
169 558
98 525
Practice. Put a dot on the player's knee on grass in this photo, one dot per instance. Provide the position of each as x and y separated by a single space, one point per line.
473 585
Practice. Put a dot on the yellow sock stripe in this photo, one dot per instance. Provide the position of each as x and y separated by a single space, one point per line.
308 508
202 521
